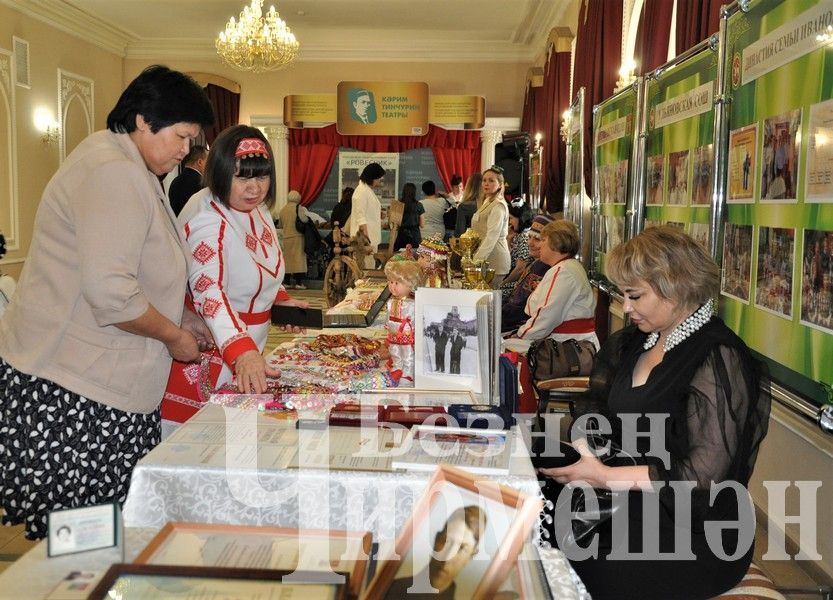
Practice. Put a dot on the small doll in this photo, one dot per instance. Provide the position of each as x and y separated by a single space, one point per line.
432 256
404 277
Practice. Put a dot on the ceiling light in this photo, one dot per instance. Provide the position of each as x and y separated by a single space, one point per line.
255 42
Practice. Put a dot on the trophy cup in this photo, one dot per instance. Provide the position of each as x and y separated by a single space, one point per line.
465 246
478 276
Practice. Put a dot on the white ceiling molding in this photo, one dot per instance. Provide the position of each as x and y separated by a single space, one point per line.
69 19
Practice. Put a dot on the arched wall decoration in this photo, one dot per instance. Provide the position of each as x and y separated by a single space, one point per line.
9 213
74 88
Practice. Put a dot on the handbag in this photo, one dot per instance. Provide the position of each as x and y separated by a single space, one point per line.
549 359
300 226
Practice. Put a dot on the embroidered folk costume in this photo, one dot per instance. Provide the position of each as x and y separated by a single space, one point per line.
236 275
400 341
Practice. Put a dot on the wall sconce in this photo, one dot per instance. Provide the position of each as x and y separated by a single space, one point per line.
565 125
47 125
626 75
537 147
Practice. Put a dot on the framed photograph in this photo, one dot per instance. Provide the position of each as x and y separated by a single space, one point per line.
819 173
678 178
774 277
454 340
779 160
702 175
743 145
167 582
81 529
463 539
737 261
655 180
238 546
817 280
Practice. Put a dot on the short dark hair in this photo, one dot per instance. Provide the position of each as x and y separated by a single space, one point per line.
163 97
456 179
222 165
429 188
371 173
194 154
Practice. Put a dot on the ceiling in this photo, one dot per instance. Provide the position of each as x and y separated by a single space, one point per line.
328 30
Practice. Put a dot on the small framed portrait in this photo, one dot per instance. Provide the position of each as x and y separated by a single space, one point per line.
743 145
462 540
774 277
779 159
737 261
678 178
655 180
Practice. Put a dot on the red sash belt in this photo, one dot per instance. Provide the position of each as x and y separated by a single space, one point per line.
398 320
577 326
257 318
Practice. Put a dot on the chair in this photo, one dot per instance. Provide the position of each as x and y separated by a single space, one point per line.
554 393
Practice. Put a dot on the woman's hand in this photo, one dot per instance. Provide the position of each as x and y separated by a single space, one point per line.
193 323
184 347
589 469
250 371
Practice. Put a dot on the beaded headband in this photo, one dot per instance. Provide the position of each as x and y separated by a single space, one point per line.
248 147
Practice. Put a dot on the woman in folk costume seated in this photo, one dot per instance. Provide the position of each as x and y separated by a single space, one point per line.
236 271
562 305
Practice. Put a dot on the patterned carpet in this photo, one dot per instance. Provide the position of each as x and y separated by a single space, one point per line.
276 335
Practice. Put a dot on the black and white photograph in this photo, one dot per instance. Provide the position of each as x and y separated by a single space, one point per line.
451 340
817 279
774 277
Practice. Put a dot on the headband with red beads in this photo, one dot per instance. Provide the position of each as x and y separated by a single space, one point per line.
248 147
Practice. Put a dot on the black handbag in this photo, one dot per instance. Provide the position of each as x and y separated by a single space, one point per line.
299 224
549 359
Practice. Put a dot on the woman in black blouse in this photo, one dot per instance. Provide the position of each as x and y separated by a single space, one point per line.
412 219
708 400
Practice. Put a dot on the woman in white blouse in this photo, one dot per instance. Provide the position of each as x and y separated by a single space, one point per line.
491 223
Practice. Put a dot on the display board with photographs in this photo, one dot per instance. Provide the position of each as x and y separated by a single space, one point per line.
679 147
777 272
614 132
576 199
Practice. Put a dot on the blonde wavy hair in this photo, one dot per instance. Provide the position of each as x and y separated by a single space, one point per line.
670 261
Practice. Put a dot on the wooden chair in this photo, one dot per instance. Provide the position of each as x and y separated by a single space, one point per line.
755 585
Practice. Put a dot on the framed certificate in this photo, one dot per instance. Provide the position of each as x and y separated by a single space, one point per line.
167 582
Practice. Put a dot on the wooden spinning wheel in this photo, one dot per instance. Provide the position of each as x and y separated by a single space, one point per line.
343 270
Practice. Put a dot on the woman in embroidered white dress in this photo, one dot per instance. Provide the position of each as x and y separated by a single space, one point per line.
491 223
237 267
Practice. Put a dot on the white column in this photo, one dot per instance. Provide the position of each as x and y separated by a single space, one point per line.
278 136
488 139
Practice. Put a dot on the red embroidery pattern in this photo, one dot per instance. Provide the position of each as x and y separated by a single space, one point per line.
192 373
203 283
210 308
251 242
203 253
266 237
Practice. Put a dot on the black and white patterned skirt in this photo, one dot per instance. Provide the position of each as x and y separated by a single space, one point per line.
61 450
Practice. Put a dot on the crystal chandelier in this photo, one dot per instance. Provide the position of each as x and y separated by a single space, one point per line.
257 43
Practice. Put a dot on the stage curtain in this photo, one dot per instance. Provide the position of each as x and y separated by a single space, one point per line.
455 151
696 20
226 106
556 99
598 49
653 35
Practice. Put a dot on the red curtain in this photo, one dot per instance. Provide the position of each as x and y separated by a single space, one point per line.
696 20
598 49
226 106
312 153
556 92
653 35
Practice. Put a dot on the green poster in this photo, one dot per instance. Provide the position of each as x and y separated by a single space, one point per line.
614 128
679 144
777 259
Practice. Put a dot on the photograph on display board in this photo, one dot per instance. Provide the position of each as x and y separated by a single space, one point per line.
779 161
743 144
600 233
651 223
607 184
615 232
451 340
621 179
655 180
736 265
774 276
702 175
819 178
817 279
700 233
678 178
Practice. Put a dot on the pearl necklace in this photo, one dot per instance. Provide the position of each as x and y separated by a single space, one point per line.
692 323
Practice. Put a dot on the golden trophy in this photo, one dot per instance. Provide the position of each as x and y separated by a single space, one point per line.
465 247
478 276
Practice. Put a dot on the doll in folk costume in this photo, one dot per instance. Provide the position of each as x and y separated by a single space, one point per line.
404 277
432 256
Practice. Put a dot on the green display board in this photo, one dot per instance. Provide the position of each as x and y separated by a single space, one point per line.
777 254
614 132
576 201
679 144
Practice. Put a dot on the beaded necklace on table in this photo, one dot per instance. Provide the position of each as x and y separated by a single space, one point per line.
692 323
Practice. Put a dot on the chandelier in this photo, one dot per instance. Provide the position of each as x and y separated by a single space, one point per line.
257 43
